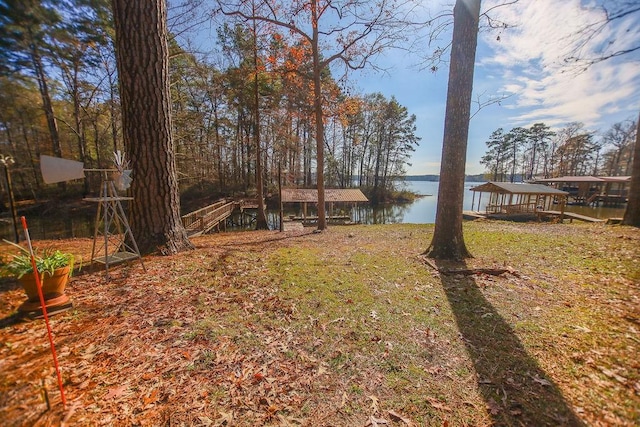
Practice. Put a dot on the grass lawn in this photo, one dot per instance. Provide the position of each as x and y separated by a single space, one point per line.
349 327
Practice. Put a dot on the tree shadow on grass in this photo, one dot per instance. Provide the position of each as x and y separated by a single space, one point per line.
9 284
514 387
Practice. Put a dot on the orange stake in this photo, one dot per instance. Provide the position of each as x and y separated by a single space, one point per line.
44 311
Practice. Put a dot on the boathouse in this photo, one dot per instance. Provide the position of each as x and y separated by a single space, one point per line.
511 199
593 190
332 196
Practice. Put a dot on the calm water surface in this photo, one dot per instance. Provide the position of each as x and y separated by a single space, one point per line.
422 211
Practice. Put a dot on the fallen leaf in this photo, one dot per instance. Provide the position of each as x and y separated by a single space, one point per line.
397 417
375 422
321 370
273 409
205 420
493 407
148 375
115 392
433 370
151 398
72 409
375 403
225 418
289 421
542 381
84 384
438 405
613 375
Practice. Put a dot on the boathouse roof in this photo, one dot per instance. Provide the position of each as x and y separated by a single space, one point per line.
517 188
303 195
586 179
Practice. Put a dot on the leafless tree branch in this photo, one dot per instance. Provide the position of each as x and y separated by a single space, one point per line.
586 37
481 103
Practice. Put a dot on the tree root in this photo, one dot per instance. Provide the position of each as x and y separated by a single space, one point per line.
471 271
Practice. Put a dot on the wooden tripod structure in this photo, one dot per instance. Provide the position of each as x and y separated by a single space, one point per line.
113 240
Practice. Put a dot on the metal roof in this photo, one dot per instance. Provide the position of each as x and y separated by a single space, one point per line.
516 188
573 179
616 178
303 195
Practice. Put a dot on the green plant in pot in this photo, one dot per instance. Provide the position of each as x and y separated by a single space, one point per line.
54 267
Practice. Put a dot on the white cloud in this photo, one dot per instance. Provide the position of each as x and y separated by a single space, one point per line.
531 58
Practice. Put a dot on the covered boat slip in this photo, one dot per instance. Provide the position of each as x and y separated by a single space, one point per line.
332 196
507 199
593 190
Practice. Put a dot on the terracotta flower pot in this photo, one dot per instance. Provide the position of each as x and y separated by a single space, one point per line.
52 286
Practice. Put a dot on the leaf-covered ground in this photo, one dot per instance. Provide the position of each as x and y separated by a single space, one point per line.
349 327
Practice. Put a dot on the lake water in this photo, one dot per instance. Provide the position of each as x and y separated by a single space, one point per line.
422 211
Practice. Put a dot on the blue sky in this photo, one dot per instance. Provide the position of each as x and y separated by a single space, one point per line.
527 64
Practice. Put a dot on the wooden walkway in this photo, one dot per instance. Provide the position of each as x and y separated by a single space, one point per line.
571 216
473 215
213 216
206 219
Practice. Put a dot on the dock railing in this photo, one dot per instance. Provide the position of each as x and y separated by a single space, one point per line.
205 219
512 209
521 208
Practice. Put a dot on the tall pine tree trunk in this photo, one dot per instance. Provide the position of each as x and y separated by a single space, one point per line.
632 213
143 69
448 240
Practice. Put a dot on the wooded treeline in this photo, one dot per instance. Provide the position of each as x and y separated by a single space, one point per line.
540 152
59 96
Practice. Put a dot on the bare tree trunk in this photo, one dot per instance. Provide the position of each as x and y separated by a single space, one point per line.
47 105
143 69
113 110
78 121
261 216
632 213
448 240
317 106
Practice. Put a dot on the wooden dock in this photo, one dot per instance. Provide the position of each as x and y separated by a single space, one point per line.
206 219
571 216
473 215
215 216
293 226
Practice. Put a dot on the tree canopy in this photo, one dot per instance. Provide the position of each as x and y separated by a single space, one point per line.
215 118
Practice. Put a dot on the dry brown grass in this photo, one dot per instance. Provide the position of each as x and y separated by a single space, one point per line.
349 327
